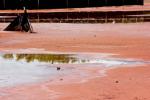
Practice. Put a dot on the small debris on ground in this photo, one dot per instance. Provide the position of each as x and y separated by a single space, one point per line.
61 79
58 68
116 81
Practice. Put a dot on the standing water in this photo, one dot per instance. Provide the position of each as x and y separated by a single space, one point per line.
17 69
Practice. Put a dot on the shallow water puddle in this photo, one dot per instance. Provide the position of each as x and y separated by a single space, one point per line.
18 69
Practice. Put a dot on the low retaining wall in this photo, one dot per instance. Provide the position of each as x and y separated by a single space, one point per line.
84 17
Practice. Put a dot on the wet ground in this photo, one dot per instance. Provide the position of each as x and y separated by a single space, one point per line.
17 69
128 45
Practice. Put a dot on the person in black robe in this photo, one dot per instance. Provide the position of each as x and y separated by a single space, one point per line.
20 23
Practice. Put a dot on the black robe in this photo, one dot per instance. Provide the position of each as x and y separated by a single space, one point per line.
20 23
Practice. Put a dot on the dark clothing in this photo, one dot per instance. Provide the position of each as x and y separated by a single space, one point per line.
20 23
25 22
15 25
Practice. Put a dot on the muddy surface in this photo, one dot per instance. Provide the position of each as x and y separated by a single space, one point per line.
123 48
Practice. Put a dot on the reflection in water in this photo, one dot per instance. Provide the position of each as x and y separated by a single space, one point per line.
69 59
27 68
48 58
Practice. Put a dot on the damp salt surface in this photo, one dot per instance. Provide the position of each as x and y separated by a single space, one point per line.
17 69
